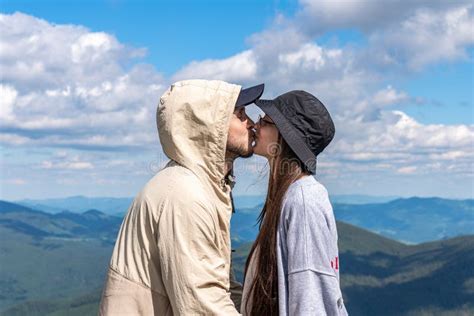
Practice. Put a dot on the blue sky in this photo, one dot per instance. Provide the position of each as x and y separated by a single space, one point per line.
400 87
172 31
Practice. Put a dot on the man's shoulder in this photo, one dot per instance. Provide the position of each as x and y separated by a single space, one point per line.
173 182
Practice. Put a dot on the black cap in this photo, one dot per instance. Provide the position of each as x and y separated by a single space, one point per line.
304 123
249 95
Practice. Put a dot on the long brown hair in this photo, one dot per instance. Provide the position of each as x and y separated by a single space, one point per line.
285 168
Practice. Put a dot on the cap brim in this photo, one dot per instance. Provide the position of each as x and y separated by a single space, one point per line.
249 95
289 134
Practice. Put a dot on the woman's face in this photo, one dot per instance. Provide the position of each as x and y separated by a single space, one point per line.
266 138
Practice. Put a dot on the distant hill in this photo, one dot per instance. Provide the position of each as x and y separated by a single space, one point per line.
38 224
77 305
52 255
360 199
380 276
119 206
411 221
250 201
55 264
79 204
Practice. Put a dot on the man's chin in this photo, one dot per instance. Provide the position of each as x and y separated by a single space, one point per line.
241 152
248 153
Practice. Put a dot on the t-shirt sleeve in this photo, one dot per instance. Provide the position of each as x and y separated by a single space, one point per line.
313 284
313 293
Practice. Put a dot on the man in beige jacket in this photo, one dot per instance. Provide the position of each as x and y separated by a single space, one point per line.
172 255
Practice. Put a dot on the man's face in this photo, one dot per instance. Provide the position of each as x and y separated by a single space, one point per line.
241 134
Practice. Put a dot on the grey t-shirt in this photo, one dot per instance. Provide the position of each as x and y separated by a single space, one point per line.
307 254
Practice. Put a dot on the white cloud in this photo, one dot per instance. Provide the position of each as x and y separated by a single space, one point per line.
426 37
400 33
13 139
63 85
452 155
67 87
92 47
370 128
310 57
389 96
398 132
65 162
317 16
8 96
407 170
239 67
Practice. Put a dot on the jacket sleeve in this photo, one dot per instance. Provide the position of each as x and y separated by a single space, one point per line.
313 287
195 275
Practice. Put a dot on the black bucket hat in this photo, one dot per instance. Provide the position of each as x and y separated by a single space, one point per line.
304 123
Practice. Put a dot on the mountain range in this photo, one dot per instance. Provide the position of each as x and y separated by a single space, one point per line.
55 264
118 206
409 220
79 204
380 276
412 220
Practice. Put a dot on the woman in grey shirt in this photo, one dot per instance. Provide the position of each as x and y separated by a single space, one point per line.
293 266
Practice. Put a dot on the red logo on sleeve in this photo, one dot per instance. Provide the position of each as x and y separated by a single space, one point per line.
335 263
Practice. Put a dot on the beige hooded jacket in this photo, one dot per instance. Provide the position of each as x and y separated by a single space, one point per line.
172 255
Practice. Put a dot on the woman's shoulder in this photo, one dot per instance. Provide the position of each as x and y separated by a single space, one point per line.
306 193
306 186
307 204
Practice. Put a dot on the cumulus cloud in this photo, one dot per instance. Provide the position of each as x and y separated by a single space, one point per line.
389 96
8 96
75 165
240 67
63 85
400 33
398 136
371 127
407 170
426 37
323 15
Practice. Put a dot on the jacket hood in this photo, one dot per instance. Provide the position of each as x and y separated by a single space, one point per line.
193 119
